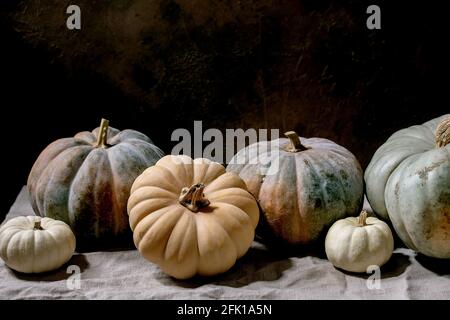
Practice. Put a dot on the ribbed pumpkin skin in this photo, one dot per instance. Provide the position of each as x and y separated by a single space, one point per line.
88 187
408 182
182 242
354 248
310 190
33 251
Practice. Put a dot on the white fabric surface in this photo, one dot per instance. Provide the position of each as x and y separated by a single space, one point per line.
260 274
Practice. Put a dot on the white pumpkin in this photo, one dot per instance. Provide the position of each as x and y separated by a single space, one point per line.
34 244
355 243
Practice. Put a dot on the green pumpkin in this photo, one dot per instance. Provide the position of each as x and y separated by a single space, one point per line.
302 185
408 182
85 181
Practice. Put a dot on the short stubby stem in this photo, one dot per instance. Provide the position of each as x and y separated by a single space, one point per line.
193 197
362 219
443 133
295 145
37 225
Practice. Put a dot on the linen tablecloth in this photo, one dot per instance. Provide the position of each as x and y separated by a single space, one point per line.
260 274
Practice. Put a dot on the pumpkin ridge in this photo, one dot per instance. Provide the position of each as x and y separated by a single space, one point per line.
331 147
399 161
195 231
70 216
33 265
235 207
117 213
213 167
86 137
132 202
34 176
49 182
206 230
135 135
216 198
248 198
347 171
166 256
143 212
238 221
221 183
193 223
95 215
301 223
181 213
94 195
433 123
188 171
132 212
345 237
7 249
379 229
318 177
314 172
142 146
252 154
342 193
215 222
167 171
354 243
186 178
165 218
132 149
120 157
196 167
248 168
290 160
409 136
167 185
40 206
56 245
409 241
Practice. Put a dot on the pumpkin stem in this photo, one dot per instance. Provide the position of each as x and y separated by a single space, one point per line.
443 133
362 219
193 198
37 225
295 145
102 134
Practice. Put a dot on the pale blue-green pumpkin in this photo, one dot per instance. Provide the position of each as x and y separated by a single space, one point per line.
408 183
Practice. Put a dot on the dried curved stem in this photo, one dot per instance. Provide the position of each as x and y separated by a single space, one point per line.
362 219
296 144
193 197
443 133
37 225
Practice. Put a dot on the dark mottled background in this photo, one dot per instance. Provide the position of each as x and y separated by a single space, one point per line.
154 66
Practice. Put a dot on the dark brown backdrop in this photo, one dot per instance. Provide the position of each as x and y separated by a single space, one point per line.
154 66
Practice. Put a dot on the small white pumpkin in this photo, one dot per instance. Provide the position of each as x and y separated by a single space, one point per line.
355 243
34 244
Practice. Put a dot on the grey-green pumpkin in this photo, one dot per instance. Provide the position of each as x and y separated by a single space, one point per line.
302 185
85 181
408 182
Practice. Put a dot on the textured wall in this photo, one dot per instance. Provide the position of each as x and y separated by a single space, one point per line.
311 66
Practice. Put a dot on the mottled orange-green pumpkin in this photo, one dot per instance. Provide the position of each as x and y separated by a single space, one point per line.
85 181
